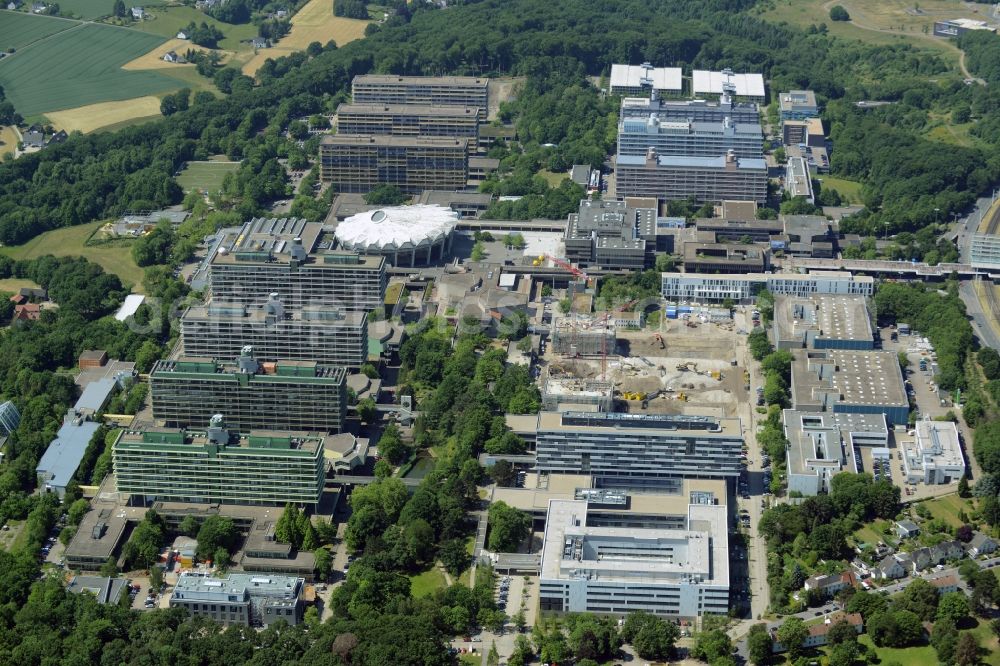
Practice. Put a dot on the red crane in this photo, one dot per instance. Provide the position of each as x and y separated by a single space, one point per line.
568 267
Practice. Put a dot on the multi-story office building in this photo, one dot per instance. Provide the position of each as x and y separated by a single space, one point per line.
934 455
693 110
820 446
610 234
758 231
724 258
797 105
635 450
320 333
219 466
739 86
808 132
850 382
287 395
798 180
256 600
822 322
360 162
467 91
676 573
985 252
689 138
293 258
646 80
743 288
409 120
671 178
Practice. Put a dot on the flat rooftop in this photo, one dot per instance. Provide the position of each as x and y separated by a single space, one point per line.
99 533
825 439
791 100
265 441
685 162
660 424
830 377
193 585
394 141
392 79
937 442
705 82
309 315
437 110
827 316
287 370
645 75
699 554
798 180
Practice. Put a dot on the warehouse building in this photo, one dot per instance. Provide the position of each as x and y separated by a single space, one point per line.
638 450
287 395
703 179
636 135
219 465
960 26
360 162
823 445
645 80
320 333
852 382
610 234
463 91
708 84
797 105
822 322
693 110
675 573
409 120
934 456
294 259
255 600
743 288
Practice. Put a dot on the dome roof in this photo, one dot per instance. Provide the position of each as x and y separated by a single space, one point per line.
396 228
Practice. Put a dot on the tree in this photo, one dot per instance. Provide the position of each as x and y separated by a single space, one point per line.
656 640
493 656
989 360
963 487
792 635
944 638
155 577
220 558
953 607
759 644
845 654
286 530
478 251
370 371
367 411
189 526
920 598
386 195
508 527
119 9
841 632
967 649
217 533
324 563
454 556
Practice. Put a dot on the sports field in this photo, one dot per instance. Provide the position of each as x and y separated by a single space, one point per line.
313 23
206 176
82 66
18 29
166 21
70 242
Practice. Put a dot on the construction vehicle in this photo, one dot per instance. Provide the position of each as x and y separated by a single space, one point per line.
682 397
715 374
659 338
691 324
682 367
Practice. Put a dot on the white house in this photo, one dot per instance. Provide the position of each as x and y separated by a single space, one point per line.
138 13
182 35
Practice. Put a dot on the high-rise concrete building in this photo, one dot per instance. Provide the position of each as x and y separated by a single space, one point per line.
611 234
671 178
360 162
320 333
287 395
637 135
293 258
693 110
256 600
676 573
468 91
636 450
219 466
409 120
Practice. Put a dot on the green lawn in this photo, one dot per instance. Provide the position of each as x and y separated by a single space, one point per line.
946 508
914 656
17 29
553 179
87 9
166 21
205 176
870 533
849 189
423 584
82 66
70 242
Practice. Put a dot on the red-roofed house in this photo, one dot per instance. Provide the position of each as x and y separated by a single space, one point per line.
27 312
945 584
818 632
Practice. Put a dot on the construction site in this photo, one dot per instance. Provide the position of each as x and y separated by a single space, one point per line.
683 365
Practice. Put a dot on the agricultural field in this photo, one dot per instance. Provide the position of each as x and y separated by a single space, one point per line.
8 140
96 116
18 29
313 23
205 176
13 285
81 67
87 9
71 242
166 21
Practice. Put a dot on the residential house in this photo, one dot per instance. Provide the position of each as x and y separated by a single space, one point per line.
980 545
34 138
260 43
945 584
172 56
818 633
27 312
138 13
906 529
889 568
281 13
58 137
28 294
38 7
830 585
182 35
924 558
11 6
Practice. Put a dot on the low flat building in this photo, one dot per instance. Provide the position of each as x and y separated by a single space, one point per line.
724 258
320 333
646 80
97 538
744 287
710 84
798 180
107 591
636 135
255 600
219 465
62 458
797 105
853 382
638 450
703 179
467 205
610 234
820 446
361 162
674 573
822 322
960 26
935 454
